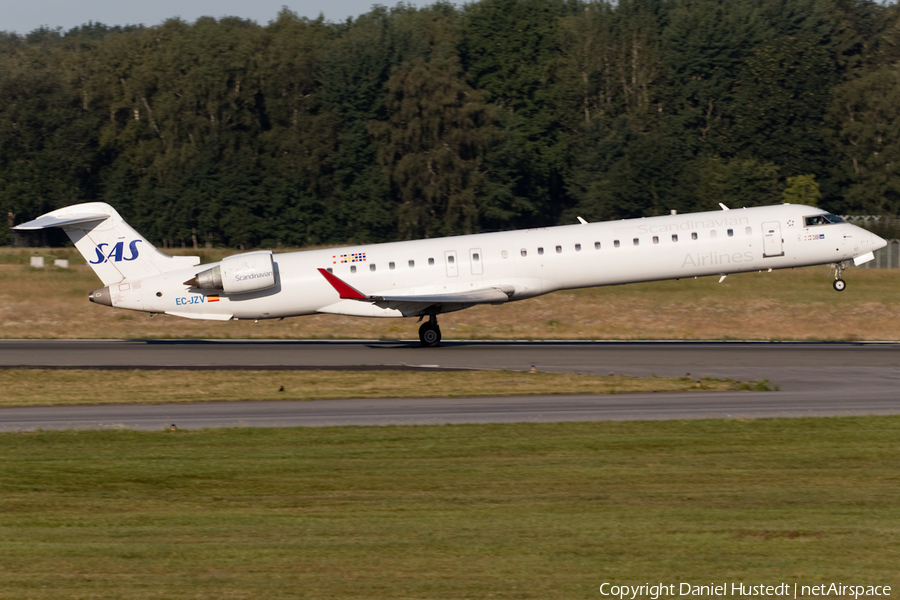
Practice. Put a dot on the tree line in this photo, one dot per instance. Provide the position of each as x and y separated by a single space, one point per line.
420 122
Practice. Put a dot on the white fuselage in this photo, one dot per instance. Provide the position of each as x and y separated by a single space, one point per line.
529 262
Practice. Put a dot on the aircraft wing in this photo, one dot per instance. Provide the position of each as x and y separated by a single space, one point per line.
488 295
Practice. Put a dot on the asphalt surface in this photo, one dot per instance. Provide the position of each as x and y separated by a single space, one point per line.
814 379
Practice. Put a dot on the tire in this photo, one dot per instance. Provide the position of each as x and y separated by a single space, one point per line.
429 335
839 285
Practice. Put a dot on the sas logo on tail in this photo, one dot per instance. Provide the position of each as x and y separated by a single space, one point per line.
117 252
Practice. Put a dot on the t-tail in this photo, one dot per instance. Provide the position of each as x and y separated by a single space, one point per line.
114 250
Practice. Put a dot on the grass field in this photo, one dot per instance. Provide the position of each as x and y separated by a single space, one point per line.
528 511
38 387
783 305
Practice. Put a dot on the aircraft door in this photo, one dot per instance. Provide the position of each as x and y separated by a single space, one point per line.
772 242
476 261
450 261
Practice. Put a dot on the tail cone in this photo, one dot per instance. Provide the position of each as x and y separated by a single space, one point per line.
101 296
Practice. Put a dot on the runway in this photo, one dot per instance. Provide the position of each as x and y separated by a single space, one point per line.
814 379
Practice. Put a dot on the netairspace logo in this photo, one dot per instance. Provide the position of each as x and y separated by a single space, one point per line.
782 590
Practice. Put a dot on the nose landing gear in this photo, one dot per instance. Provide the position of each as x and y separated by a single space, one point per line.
839 284
430 333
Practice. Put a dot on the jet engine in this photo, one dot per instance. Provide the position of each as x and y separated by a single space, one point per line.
238 274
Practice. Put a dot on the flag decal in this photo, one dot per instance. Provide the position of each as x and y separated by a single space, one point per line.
355 257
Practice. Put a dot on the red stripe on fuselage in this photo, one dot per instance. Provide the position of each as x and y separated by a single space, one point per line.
346 291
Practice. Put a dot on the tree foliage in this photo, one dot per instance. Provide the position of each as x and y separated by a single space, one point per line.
865 137
802 189
737 183
409 122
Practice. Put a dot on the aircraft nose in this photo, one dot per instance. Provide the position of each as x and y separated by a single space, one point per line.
878 242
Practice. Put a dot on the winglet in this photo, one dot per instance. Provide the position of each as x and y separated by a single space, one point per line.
346 291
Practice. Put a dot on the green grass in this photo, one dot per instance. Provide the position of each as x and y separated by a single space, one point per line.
36 387
539 511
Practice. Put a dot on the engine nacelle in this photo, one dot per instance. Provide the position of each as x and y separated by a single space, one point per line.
238 274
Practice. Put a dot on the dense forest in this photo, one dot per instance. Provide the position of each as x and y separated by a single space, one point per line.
412 122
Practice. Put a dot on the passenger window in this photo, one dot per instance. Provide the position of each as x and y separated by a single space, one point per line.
694 235
330 270
504 254
749 231
475 257
558 249
391 266
655 239
353 268
451 259
616 243
731 233
674 237
524 252
430 262
412 264
596 245
540 251
713 234
636 241
577 247
372 266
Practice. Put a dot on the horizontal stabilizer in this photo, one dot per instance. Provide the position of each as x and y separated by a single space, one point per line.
52 220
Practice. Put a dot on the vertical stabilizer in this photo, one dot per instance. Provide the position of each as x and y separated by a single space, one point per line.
114 250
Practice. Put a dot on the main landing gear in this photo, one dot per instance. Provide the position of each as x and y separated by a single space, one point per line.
430 333
839 284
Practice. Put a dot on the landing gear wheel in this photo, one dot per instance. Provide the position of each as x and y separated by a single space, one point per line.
839 284
430 334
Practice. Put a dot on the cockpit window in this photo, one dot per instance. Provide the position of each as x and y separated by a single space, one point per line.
826 219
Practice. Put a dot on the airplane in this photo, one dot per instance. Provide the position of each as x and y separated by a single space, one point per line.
425 278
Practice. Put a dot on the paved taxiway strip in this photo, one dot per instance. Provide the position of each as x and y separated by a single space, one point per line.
424 411
814 379
848 367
